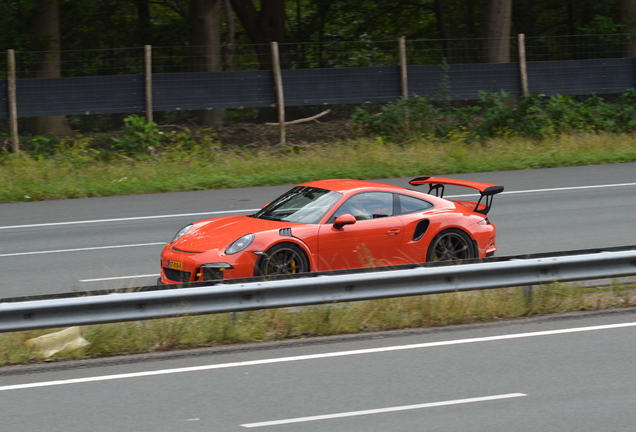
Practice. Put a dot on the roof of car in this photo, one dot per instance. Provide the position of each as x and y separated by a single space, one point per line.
341 185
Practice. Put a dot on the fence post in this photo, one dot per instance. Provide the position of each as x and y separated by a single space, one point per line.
13 110
148 74
403 75
522 64
280 100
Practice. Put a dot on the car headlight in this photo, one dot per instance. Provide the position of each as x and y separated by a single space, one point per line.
240 244
181 232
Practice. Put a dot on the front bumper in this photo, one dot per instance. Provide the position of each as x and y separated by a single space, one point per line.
199 267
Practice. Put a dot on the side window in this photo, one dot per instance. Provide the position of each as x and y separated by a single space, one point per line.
367 205
409 204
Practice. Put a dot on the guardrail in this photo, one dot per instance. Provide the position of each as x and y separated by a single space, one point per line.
318 289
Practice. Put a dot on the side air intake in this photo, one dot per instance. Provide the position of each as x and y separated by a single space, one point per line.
285 232
420 229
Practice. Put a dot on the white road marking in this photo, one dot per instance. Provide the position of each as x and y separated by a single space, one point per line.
119 277
253 210
384 410
313 356
551 190
82 249
126 219
570 188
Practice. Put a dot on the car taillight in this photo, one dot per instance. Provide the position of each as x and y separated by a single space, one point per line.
484 221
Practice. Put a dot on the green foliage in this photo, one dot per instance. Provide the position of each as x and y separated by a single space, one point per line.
42 145
139 136
78 151
403 120
602 25
501 115
142 140
625 113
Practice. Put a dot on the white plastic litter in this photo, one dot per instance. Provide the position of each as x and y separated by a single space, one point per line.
49 344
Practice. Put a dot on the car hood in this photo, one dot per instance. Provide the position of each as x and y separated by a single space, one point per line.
219 233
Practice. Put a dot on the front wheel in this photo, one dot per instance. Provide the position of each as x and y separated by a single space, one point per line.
282 259
450 245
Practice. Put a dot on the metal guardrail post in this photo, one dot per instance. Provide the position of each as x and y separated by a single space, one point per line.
527 294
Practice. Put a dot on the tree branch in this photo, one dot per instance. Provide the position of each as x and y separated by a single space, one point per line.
301 120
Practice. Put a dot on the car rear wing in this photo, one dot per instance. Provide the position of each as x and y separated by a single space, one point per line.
487 190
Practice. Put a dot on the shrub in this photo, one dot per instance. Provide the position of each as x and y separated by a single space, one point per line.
139 136
402 120
501 115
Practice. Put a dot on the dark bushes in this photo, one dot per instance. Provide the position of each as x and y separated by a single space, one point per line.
500 115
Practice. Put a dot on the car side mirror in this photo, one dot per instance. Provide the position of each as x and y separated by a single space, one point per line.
342 220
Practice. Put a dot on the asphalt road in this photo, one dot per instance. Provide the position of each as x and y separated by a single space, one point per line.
99 243
572 372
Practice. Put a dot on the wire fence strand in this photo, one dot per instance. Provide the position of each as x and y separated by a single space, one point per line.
187 78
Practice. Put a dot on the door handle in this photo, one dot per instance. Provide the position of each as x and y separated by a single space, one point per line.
393 231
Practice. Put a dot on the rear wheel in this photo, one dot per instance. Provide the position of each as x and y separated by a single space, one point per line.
282 259
450 245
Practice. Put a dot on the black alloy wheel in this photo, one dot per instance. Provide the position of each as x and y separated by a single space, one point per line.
282 259
450 245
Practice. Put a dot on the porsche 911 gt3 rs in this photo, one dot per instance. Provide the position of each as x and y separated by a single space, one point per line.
333 225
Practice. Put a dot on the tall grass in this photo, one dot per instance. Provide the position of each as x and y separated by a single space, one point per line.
268 325
77 171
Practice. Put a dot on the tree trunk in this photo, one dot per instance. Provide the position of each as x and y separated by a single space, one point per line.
628 18
264 26
205 49
497 31
45 25
441 26
144 32
229 24
469 18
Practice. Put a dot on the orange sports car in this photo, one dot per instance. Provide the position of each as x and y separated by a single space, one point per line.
333 225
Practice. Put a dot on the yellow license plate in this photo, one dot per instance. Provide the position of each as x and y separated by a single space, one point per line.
175 265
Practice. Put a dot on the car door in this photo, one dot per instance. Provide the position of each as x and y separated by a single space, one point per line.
373 240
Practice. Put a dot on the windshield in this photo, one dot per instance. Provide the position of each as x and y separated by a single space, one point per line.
301 204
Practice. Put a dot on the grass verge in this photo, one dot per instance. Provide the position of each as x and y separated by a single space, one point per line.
78 172
368 316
